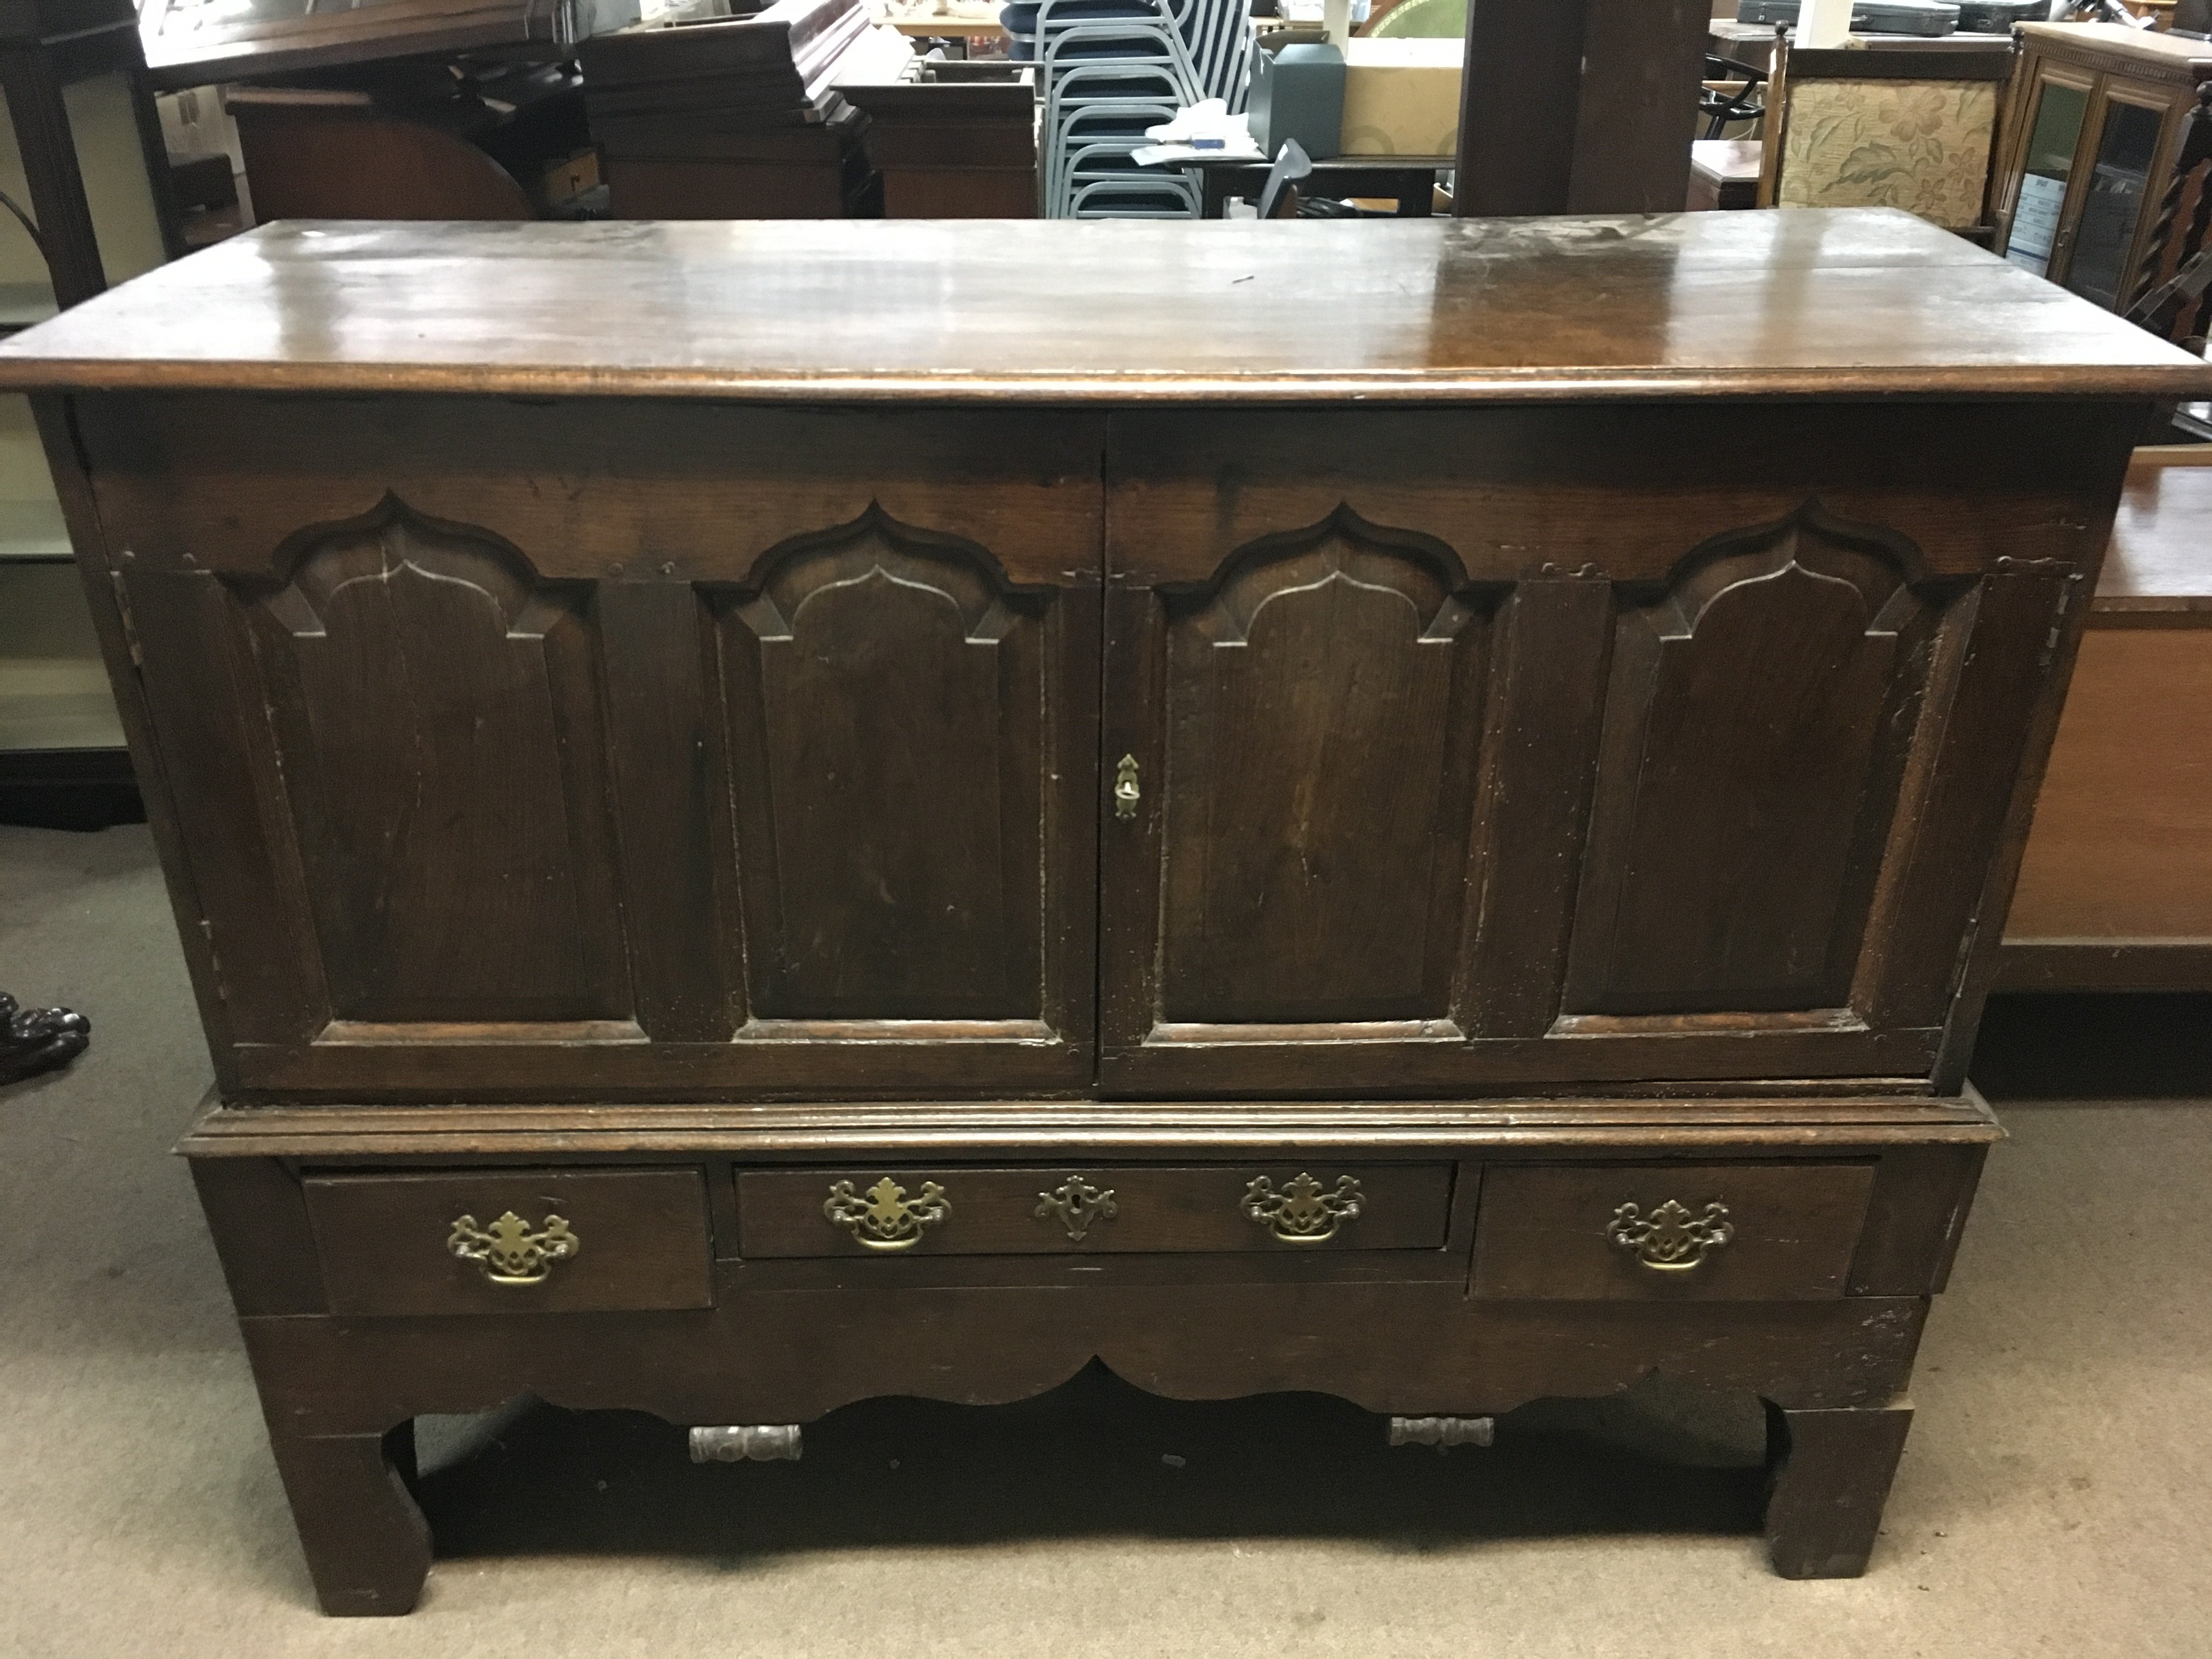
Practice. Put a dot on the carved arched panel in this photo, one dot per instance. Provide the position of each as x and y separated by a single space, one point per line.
1756 722
1322 724
886 695
438 723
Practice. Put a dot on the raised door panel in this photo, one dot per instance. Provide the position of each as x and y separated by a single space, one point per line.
1317 781
890 744
1310 720
438 726
1756 721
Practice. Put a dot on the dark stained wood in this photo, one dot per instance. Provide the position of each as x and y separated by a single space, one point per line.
994 1212
888 700
1140 313
1542 1231
428 908
1323 701
1782 1116
381 1240
1643 62
1414 1348
1832 1470
258 1215
645 773
1915 1219
1520 93
367 1546
1745 789
310 160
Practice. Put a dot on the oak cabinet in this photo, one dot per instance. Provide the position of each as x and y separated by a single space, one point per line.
735 863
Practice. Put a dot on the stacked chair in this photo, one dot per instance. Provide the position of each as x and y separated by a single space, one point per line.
1110 68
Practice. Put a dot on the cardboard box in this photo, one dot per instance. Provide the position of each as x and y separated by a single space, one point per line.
1401 97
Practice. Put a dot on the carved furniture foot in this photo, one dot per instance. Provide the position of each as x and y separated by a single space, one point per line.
1829 1476
33 1040
366 1544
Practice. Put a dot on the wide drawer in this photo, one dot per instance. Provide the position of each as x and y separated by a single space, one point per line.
1718 1232
1030 1212
512 1241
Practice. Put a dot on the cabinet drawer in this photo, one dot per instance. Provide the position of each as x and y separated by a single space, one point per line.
512 1241
1718 1232
959 1212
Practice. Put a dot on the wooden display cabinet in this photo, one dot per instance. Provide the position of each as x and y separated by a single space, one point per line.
2092 131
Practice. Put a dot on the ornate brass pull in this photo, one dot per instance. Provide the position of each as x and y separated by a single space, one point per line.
1672 1239
509 1252
1126 791
884 1217
1075 1204
1304 1212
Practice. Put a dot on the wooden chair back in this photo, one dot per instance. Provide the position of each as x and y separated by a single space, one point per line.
1860 127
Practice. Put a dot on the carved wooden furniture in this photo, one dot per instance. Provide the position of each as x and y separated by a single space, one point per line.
1884 129
764 816
2093 128
2116 885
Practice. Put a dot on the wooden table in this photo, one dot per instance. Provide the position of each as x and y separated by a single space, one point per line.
1724 173
2116 889
764 815
1411 180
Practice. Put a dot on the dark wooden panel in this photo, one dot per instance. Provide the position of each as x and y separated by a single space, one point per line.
1642 61
1749 773
438 716
994 1212
887 699
655 646
1920 1196
1926 916
1542 1231
1322 721
201 698
1539 757
259 1216
641 1240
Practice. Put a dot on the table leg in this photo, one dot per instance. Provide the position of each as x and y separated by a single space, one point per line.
366 1544
1830 1473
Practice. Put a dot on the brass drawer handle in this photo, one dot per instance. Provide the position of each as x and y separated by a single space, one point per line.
884 1217
1672 1239
1304 1212
509 1252
1075 1204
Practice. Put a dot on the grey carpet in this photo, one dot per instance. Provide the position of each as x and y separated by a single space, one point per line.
2053 1498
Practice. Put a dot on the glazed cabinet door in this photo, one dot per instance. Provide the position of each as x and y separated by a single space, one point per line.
1511 749
544 750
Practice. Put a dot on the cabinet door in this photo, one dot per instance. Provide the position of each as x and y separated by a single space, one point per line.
548 751
1497 751
2039 205
2128 139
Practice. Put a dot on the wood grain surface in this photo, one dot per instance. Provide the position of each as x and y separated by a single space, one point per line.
1806 303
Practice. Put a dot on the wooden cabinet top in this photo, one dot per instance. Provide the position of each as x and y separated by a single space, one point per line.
1793 304
2123 50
